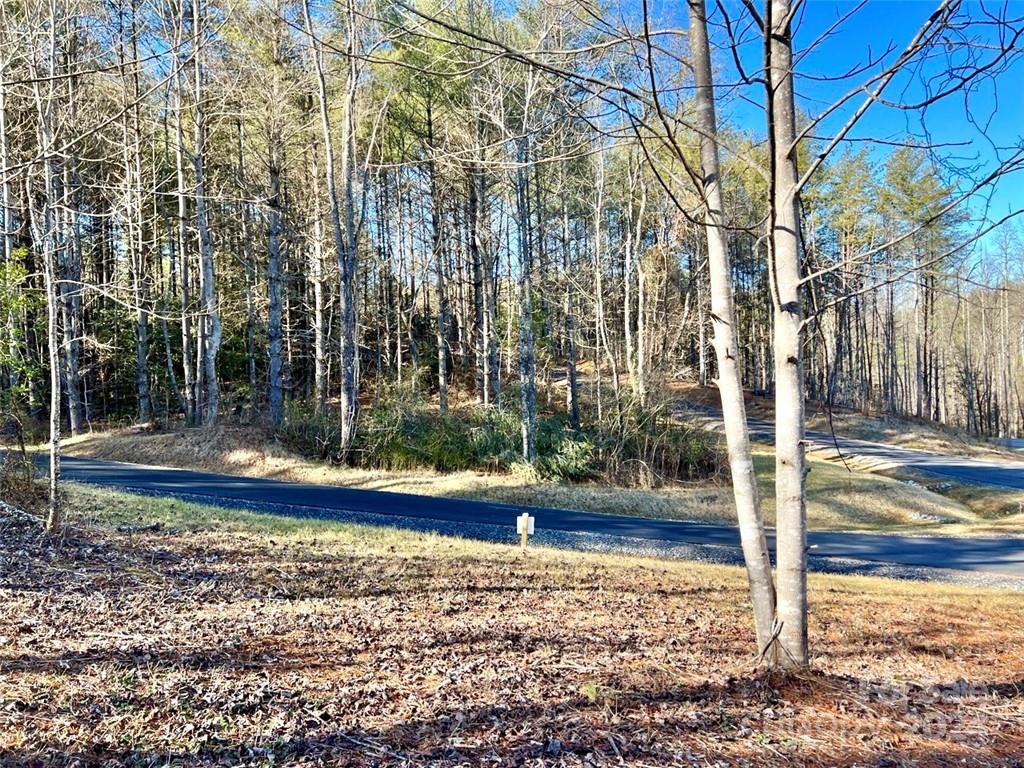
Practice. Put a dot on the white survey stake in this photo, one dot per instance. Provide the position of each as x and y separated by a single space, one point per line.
524 527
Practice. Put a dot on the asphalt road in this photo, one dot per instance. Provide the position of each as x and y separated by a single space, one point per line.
1002 474
477 519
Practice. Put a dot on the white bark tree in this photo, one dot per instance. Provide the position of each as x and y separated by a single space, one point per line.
726 340
784 254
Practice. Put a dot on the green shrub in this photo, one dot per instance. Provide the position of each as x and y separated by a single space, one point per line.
647 448
563 454
572 460
310 433
395 435
637 447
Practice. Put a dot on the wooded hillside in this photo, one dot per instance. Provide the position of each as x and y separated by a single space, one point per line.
255 209
346 220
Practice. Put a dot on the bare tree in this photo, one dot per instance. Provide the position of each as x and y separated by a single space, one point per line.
209 321
726 341
784 254
343 213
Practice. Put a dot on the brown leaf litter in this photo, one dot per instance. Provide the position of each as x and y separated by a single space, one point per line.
151 646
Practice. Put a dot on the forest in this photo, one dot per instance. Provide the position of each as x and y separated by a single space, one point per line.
476 234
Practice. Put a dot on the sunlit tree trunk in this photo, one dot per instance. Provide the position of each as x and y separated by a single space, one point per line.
6 199
726 342
572 387
183 251
784 253
47 240
134 239
438 246
347 266
342 218
316 276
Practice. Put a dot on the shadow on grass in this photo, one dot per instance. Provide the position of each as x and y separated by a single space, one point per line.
359 694
705 723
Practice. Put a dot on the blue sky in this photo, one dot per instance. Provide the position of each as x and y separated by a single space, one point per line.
987 125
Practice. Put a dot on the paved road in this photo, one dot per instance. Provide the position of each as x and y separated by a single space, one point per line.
479 519
1003 474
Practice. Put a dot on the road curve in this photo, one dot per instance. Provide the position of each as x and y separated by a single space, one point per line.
994 472
1001 474
989 555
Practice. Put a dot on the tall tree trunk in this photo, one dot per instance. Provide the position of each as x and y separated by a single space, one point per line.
316 276
159 212
527 359
602 342
249 268
480 326
344 235
784 244
55 516
275 404
492 295
134 242
6 199
275 393
210 318
726 342
69 272
348 267
142 385
47 241
438 243
484 263
572 387
184 266
640 340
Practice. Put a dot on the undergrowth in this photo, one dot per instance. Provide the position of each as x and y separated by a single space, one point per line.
633 446
17 484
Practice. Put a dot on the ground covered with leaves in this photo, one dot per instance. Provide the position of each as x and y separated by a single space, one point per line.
161 633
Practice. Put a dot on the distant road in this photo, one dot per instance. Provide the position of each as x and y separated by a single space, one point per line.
995 472
486 520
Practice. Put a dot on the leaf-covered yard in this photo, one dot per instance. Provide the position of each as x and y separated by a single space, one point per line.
160 633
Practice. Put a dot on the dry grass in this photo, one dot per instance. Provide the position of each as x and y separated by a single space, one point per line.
840 499
918 434
907 432
224 638
837 498
996 510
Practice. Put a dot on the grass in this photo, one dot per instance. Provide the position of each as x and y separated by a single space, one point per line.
906 432
231 638
837 499
995 510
